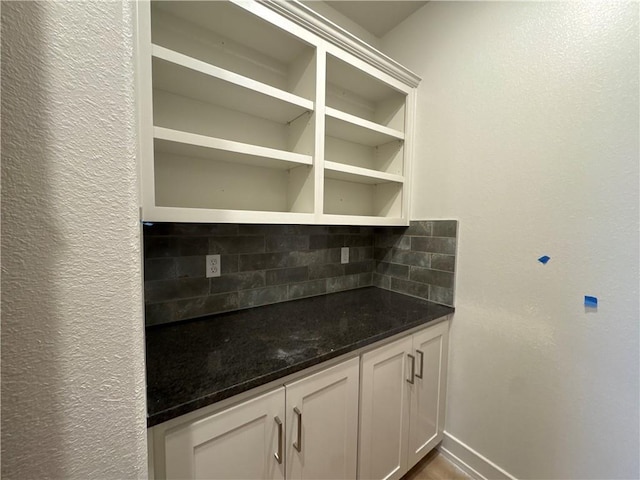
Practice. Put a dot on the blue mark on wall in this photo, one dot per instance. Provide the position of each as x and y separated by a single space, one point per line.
590 302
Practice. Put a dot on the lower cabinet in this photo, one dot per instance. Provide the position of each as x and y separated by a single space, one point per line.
307 429
402 402
322 424
238 443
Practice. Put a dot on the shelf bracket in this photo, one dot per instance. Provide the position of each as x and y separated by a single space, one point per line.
302 114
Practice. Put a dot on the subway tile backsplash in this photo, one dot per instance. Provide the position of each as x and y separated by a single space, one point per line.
419 260
264 264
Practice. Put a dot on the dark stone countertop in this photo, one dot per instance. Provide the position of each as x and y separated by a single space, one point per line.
192 364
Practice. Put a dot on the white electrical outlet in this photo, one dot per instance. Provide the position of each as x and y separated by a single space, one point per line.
344 255
213 266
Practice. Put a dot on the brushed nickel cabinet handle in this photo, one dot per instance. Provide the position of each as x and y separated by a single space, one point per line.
413 369
278 454
298 444
421 353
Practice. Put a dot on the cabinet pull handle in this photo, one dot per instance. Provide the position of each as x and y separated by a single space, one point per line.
278 454
298 444
413 369
421 353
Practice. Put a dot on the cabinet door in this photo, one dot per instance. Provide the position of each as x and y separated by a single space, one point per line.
322 424
428 393
237 443
384 413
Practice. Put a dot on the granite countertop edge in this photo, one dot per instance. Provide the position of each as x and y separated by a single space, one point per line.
162 416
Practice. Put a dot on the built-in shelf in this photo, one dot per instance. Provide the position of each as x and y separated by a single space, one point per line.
231 132
199 146
192 78
354 129
340 171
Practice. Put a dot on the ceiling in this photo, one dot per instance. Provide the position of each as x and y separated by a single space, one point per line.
377 17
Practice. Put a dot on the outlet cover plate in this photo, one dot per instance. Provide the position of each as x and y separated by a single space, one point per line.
213 265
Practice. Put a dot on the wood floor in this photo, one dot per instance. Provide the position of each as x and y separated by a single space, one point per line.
435 467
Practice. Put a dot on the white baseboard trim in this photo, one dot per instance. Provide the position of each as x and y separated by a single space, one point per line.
470 461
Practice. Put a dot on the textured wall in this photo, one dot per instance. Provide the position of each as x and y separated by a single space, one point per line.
528 114
73 396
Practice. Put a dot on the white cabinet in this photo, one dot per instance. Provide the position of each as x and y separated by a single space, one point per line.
308 428
428 391
402 402
238 443
313 433
322 424
384 411
247 116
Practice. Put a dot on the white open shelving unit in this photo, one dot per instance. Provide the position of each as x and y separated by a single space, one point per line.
264 112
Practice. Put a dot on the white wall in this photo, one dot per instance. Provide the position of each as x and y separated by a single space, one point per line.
333 15
73 393
528 134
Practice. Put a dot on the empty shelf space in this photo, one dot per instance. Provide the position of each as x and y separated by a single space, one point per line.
224 34
352 90
387 158
188 77
200 146
351 78
340 171
215 183
343 197
354 129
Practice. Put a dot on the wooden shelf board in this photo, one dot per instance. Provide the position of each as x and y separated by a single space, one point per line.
188 77
206 215
354 129
349 173
217 149
337 219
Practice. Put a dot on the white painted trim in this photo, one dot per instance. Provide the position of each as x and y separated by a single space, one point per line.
336 35
144 99
409 152
320 130
471 462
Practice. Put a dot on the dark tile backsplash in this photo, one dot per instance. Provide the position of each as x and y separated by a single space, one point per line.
419 260
264 264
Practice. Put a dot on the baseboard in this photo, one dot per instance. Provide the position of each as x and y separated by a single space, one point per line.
470 461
